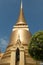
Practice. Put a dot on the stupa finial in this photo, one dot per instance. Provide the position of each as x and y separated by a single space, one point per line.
21 18
21 4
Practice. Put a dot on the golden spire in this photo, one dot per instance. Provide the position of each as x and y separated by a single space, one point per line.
21 19
21 23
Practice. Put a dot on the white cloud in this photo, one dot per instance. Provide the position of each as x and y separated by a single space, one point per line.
3 44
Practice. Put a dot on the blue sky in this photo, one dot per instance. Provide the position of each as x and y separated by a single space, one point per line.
9 12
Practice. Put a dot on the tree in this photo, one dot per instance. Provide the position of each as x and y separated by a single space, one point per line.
36 46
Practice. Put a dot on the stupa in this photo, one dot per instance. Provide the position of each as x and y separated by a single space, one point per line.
17 51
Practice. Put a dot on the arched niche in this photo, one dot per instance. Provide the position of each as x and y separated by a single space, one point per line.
17 56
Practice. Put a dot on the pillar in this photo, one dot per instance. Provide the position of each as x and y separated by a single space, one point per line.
13 60
22 57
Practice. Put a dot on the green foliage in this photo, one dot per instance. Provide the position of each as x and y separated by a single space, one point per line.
36 46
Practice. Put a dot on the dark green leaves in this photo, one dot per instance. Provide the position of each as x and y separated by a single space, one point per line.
36 46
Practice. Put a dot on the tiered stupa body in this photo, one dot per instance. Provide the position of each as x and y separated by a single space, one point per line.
17 50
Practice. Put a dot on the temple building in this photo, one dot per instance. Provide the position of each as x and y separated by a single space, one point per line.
17 51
